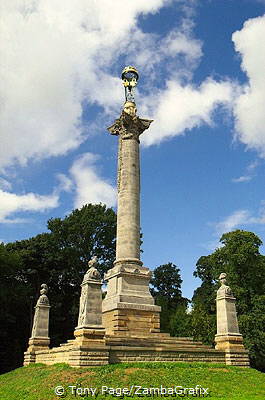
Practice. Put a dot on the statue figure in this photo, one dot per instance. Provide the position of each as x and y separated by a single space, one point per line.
224 289
43 299
92 272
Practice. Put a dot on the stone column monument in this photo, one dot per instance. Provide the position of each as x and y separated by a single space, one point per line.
39 339
228 337
129 307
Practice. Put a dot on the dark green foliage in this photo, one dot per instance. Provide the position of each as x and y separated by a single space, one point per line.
166 290
15 311
59 259
240 259
180 321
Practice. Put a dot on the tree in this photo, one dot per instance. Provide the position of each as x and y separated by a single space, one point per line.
166 290
59 259
240 259
88 232
15 303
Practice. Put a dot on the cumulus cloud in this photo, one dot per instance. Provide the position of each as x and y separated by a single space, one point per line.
240 218
237 218
13 203
4 184
58 56
54 56
183 107
83 181
249 107
89 186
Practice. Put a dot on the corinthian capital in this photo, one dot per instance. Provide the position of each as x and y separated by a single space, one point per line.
129 125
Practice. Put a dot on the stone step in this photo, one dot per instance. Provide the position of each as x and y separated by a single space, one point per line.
68 343
147 341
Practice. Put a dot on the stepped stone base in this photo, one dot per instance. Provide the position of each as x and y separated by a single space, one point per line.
157 347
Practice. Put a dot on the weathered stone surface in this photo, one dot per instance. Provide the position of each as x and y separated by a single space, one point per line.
40 331
228 338
90 332
131 321
128 127
90 309
128 280
131 349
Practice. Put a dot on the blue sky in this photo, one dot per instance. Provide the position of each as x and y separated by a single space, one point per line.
201 66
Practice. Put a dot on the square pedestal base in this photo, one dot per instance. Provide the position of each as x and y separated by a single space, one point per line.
235 352
131 322
229 342
89 337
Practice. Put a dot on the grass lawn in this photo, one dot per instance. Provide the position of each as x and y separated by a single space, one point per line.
38 382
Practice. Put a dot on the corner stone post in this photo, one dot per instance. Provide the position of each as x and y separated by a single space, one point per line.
89 334
228 337
39 339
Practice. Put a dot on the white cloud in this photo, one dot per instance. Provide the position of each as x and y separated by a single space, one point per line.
65 183
250 173
249 108
12 203
243 178
84 182
89 186
179 108
58 55
4 184
240 218
54 56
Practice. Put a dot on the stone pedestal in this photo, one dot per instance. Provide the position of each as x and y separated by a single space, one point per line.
39 339
90 326
89 346
128 308
228 338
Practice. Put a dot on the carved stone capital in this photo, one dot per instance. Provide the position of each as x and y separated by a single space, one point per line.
129 126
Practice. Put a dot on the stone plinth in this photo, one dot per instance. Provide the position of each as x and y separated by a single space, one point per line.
228 338
90 330
128 307
89 346
39 339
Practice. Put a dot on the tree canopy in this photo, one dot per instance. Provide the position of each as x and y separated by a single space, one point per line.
59 259
166 290
240 259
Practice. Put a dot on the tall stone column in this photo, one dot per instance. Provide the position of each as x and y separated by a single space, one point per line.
228 337
129 307
39 339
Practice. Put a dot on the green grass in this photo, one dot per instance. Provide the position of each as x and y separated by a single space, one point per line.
37 382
